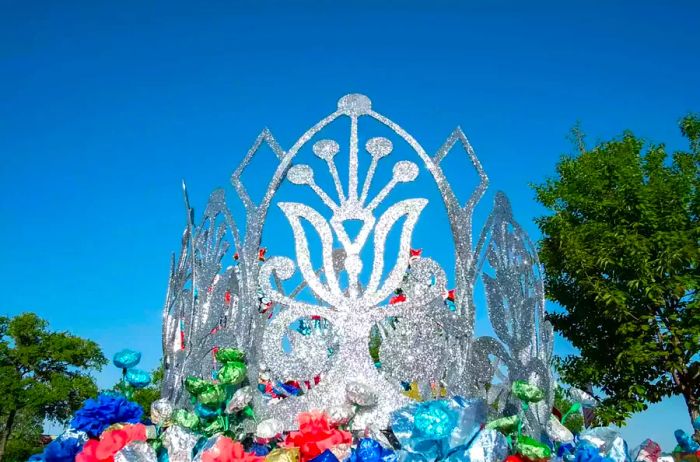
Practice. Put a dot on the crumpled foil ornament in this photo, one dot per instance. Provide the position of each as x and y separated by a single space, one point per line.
580 396
341 451
283 455
185 418
360 394
526 392
161 411
488 446
138 378
126 359
340 415
232 373
648 451
240 399
433 430
179 442
505 425
325 456
230 355
269 428
685 441
608 442
370 450
557 431
531 448
136 451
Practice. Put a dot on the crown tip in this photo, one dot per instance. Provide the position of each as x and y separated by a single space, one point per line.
354 104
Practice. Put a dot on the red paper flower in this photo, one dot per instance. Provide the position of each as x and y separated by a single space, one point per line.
261 253
397 299
513 458
227 450
110 443
315 435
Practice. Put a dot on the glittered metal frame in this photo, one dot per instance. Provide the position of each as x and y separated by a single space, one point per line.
209 306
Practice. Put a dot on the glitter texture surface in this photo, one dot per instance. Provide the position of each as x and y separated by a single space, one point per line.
209 305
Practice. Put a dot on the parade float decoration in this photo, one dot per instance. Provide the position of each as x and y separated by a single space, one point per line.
355 350
224 290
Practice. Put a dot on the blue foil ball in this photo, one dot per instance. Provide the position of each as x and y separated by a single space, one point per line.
126 359
138 378
434 420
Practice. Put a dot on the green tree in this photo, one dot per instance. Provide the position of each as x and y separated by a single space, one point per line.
621 251
574 419
25 439
43 374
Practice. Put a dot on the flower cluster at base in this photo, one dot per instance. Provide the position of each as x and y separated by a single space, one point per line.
223 428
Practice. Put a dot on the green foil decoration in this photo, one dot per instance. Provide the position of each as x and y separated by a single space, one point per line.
232 373
212 395
185 418
526 392
229 355
532 449
216 426
195 385
505 425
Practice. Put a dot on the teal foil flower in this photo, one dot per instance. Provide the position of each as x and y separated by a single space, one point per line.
126 359
138 378
439 430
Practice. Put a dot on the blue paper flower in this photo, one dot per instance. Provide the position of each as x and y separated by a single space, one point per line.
36 457
433 430
126 359
62 450
138 378
98 414
369 450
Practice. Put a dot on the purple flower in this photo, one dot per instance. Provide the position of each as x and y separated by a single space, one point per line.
98 414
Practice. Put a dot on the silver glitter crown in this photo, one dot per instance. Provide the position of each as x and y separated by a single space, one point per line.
320 343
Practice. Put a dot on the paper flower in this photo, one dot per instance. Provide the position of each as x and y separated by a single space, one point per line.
433 430
227 450
110 443
315 435
98 414
62 450
126 359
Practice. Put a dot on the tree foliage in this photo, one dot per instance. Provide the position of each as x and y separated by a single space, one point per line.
43 374
621 248
574 420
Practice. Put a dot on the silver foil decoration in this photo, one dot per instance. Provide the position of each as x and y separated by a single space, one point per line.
179 443
488 446
269 428
245 305
161 410
240 399
136 451
340 415
557 431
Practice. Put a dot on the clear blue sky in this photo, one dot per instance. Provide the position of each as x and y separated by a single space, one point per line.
105 106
